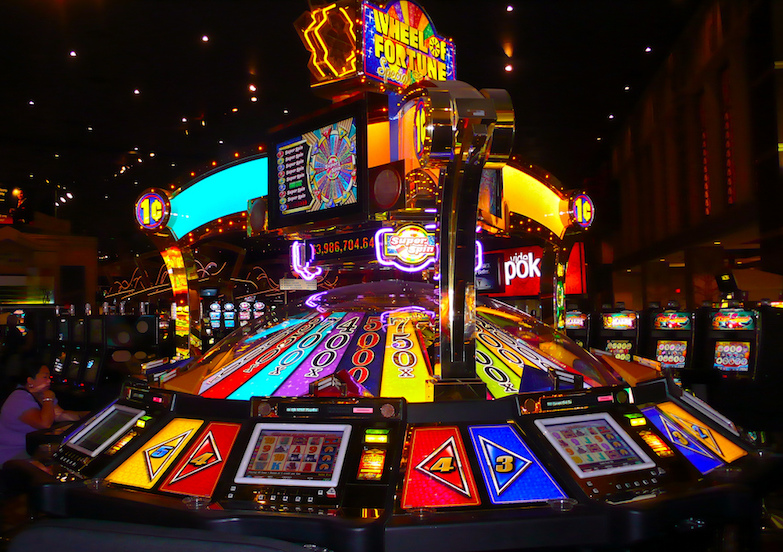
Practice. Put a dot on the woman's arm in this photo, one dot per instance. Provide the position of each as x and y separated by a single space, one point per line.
40 418
61 415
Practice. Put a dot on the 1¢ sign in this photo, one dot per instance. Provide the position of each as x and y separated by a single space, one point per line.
152 210
582 210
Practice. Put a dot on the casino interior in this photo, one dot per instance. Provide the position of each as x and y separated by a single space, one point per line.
412 407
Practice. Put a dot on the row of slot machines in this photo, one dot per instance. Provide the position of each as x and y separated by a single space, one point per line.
86 353
729 356
604 466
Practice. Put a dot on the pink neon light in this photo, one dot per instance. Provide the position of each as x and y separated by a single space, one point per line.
305 271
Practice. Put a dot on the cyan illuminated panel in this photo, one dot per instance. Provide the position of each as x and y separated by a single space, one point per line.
511 471
219 194
698 455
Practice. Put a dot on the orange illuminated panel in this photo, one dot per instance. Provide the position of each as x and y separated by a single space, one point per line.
705 435
147 465
438 473
657 444
198 471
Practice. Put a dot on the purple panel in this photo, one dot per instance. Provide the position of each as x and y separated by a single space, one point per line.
364 360
324 359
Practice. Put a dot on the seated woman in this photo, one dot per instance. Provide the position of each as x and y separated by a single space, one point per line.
29 407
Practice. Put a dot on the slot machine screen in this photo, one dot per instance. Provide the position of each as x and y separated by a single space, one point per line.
96 331
62 330
575 320
78 331
318 168
107 427
625 320
72 372
732 356
299 455
593 445
58 363
91 366
229 323
671 353
619 348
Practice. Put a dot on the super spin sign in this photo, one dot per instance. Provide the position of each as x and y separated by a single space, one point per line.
401 46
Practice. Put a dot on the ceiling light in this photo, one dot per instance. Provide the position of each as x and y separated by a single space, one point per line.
508 68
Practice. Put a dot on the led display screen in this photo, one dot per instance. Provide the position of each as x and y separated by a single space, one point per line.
594 445
91 369
317 169
104 429
671 353
625 320
576 320
620 348
732 356
294 454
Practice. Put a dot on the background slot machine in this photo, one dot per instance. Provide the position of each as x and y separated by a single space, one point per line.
741 348
78 352
669 339
577 327
113 433
96 351
62 347
617 332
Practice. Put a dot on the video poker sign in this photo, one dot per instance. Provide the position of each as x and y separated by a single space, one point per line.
401 46
520 272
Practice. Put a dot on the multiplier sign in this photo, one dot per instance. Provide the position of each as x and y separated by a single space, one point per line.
401 46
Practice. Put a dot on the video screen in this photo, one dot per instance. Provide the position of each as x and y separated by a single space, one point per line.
229 323
317 168
306 455
594 445
671 354
78 331
625 320
58 362
576 321
91 369
733 319
732 356
671 320
96 331
619 348
72 372
106 428
62 330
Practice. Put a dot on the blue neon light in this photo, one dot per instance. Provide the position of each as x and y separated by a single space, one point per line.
219 194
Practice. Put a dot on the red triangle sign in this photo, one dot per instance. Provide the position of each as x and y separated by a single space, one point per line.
445 465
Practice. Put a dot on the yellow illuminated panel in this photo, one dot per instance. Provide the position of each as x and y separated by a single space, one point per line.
378 140
376 438
371 464
635 422
534 199
714 441
405 371
147 465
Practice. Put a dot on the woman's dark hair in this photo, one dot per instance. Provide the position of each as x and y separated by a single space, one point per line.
31 365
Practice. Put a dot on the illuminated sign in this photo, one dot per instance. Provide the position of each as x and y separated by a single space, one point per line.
411 248
671 320
733 319
625 320
582 210
401 46
152 209
422 134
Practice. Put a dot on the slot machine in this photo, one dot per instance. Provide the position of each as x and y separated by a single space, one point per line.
95 355
617 332
61 350
740 350
577 327
77 352
113 433
669 340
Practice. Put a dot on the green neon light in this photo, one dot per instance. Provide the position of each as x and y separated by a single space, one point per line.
219 194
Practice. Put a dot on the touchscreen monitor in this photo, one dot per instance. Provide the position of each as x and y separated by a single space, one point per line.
594 445
671 353
732 356
302 455
106 428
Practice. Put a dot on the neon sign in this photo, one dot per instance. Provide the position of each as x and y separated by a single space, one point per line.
582 210
401 46
411 248
152 209
300 261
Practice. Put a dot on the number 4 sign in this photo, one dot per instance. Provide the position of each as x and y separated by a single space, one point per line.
438 473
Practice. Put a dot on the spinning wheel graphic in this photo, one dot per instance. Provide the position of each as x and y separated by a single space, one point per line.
331 170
